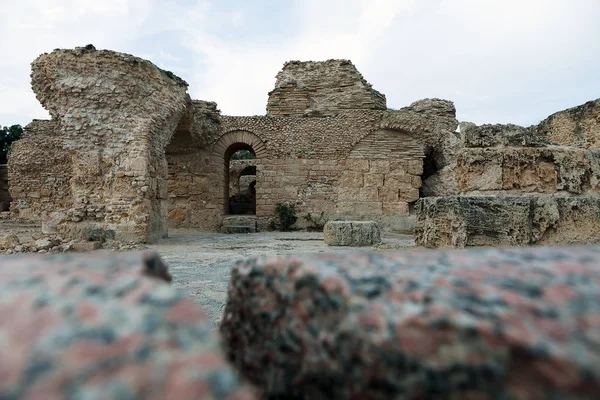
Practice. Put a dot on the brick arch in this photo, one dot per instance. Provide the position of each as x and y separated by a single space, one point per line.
243 138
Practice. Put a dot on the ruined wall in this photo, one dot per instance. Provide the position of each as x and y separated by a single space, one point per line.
520 186
4 194
116 114
577 126
360 164
321 88
40 170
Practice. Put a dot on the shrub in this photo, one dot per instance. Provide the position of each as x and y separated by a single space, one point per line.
287 215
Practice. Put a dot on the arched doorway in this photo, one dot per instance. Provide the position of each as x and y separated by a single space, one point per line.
241 195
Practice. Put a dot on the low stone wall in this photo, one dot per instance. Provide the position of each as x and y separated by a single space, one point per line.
461 221
4 193
106 326
462 324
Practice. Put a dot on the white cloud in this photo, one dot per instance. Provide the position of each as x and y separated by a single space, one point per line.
499 60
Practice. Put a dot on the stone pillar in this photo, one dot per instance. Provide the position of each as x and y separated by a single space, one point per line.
117 114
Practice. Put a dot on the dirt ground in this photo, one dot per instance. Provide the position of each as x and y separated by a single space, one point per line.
200 262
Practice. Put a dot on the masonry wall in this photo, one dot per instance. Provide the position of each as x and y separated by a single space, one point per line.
39 172
345 167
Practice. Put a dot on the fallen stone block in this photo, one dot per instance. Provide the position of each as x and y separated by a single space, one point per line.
86 246
105 326
459 324
462 221
351 233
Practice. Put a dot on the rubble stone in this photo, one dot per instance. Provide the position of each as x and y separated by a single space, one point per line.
8 241
478 323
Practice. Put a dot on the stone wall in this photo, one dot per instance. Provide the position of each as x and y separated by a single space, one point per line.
360 164
4 194
321 88
40 170
128 152
116 114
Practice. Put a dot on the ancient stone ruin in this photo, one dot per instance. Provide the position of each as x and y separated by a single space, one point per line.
128 154
521 186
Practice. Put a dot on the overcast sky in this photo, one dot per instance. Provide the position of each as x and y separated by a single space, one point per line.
500 61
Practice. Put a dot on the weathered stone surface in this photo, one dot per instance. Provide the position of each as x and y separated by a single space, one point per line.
483 323
500 136
578 126
8 241
460 221
114 115
351 233
320 89
105 327
512 170
51 221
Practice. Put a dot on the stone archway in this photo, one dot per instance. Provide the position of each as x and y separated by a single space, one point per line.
229 144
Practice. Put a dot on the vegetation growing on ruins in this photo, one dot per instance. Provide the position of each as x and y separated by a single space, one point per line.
287 215
7 136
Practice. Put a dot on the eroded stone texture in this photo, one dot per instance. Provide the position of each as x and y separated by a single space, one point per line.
460 221
351 233
116 114
105 327
500 136
320 89
529 170
578 126
39 171
482 323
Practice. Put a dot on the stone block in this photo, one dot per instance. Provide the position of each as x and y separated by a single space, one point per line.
351 233
50 221
373 180
528 170
379 167
351 179
107 326
408 194
461 221
460 324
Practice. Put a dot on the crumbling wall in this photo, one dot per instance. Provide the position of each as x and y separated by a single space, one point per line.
321 88
436 124
518 187
117 114
40 170
577 126
361 164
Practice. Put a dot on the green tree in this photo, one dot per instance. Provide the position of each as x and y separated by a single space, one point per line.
8 134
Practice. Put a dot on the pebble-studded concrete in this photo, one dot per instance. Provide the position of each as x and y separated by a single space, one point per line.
520 323
105 326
